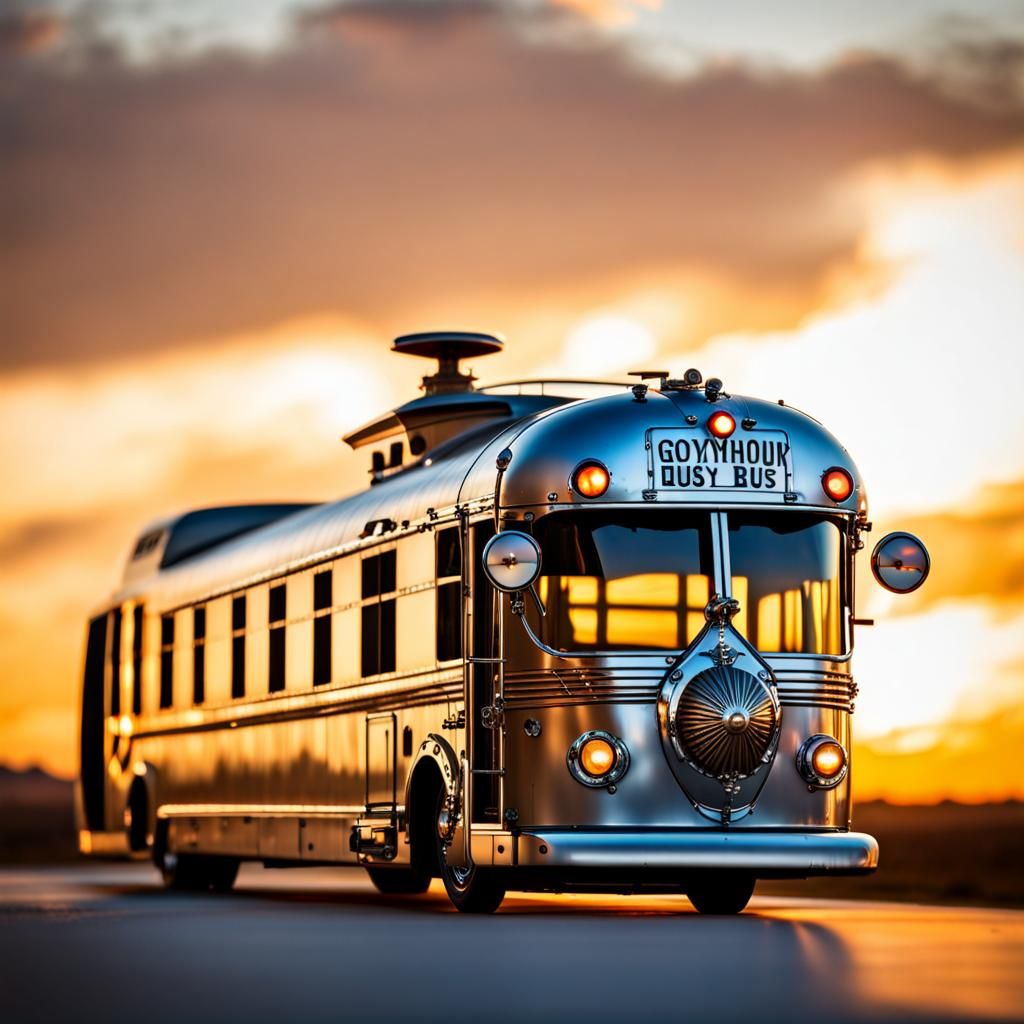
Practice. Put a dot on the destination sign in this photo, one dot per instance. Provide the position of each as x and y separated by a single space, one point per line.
685 460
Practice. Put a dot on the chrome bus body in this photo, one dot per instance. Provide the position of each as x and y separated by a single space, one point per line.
326 771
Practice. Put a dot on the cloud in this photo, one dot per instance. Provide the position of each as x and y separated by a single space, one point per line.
943 257
608 13
161 428
936 667
392 156
977 65
27 32
978 550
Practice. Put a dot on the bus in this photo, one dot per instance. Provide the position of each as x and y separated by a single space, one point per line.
572 637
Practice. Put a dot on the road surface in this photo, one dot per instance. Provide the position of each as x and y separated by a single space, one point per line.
105 943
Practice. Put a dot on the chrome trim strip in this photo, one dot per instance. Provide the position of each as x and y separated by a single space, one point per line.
264 810
399 693
813 853
580 655
720 554
635 685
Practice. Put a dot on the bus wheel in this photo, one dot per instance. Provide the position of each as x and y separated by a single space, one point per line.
193 873
721 894
399 881
472 890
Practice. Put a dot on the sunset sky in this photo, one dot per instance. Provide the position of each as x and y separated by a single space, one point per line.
215 216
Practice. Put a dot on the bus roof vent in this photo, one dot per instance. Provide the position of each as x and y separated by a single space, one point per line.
448 347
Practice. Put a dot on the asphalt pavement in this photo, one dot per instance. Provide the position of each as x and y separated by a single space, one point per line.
106 943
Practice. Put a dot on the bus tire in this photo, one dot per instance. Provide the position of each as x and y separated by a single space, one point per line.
136 817
399 881
188 872
472 890
721 893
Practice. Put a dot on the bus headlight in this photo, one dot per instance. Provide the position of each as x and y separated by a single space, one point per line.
598 759
591 479
822 761
837 483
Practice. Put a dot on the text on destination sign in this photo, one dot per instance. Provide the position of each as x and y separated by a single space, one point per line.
747 463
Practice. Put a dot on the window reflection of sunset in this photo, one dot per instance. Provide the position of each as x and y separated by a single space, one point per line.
807 619
661 588
793 638
643 610
697 591
634 611
739 591
584 625
581 589
642 627
769 623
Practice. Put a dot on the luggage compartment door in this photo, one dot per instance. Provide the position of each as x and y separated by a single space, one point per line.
380 763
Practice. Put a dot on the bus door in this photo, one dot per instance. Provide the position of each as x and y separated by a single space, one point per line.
375 834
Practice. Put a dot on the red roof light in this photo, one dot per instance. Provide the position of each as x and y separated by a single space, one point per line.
721 424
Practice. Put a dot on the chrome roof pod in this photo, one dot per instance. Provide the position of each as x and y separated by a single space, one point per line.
449 406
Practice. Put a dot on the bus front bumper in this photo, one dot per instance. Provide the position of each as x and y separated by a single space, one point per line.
767 854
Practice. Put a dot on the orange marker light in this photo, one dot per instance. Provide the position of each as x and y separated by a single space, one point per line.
721 424
597 757
591 480
828 760
837 483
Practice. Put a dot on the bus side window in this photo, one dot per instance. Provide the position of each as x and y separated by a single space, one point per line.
323 601
137 625
449 595
198 655
238 646
379 583
115 663
276 617
167 661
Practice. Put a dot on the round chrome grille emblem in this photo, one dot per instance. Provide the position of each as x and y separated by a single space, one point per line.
726 722
736 720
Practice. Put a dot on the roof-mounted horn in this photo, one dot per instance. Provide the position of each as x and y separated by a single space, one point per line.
448 347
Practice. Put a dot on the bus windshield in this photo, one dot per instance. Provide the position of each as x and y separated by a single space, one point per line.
623 580
787 576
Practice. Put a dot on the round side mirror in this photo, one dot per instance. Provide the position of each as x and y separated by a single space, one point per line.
512 560
900 562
